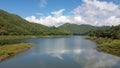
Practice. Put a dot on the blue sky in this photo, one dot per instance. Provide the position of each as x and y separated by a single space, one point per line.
58 12
26 8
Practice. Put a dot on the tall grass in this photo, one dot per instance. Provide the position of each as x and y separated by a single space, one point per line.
14 49
108 45
9 37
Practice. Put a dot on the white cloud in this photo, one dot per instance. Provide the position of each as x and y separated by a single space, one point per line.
43 3
93 12
113 20
31 19
58 13
56 19
98 13
101 5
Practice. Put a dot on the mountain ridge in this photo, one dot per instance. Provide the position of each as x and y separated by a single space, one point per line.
12 24
78 29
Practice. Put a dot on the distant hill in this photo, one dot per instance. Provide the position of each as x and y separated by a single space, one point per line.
12 24
78 29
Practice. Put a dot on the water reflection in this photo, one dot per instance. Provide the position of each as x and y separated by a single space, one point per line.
59 53
80 52
73 52
93 59
57 48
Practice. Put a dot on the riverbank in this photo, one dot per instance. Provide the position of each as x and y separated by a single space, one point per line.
9 37
29 36
7 51
111 46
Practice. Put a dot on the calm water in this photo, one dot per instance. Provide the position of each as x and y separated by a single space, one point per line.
72 52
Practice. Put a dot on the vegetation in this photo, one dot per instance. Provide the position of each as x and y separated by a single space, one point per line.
11 24
109 39
112 47
80 29
113 32
10 50
13 37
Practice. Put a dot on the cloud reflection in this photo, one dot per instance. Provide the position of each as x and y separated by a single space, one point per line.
59 47
58 53
78 51
94 59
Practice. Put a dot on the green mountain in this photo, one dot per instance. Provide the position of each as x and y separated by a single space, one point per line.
78 29
12 24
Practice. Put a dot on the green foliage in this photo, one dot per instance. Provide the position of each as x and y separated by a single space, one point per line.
108 45
108 39
11 24
112 47
78 29
13 48
100 40
113 32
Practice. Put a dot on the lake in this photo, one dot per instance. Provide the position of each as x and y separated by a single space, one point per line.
64 52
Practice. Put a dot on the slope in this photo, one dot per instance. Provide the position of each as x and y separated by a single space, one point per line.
12 24
78 29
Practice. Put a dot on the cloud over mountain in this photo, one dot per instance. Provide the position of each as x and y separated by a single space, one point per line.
93 12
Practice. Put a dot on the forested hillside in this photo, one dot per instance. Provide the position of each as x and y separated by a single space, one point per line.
11 24
78 29
113 32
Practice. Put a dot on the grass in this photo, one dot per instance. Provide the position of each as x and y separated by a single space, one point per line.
7 50
13 49
8 37
108 45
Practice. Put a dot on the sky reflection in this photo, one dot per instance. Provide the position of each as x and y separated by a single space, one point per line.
80 52
73 52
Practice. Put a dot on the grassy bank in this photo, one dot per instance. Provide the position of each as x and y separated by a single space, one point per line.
111 46
29 36
18 37
13 49
10 49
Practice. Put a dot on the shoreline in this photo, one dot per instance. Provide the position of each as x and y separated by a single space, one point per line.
8 37
107 45
7 51
4 48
